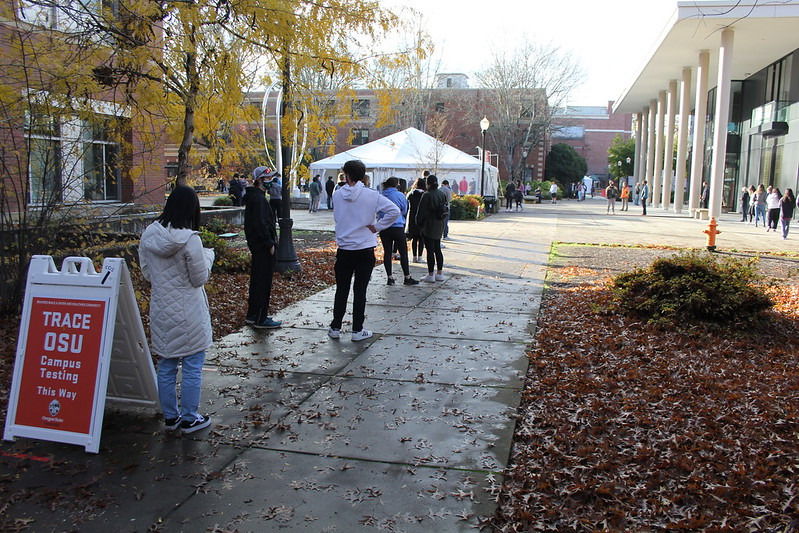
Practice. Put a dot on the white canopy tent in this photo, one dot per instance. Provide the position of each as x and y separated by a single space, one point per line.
405 155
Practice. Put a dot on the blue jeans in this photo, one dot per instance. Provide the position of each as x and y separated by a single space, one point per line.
191 380
786 226
760 212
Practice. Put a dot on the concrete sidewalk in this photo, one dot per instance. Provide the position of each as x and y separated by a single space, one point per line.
408 431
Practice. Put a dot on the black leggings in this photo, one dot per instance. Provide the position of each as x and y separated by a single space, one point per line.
417 245
434 255
773 217
394 239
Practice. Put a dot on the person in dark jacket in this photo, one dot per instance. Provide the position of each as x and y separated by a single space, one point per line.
259 228
430 219
329 186
414 231
787 204
235 189
393 237
744 203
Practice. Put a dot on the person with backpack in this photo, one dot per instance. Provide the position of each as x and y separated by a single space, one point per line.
393 238
610 193
414 231
433 210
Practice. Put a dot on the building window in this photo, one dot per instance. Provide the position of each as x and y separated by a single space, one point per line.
440 107
360 136
360 108
449 83
101 153
43 136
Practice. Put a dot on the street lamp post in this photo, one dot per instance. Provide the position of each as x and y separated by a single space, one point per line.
618 164
484 124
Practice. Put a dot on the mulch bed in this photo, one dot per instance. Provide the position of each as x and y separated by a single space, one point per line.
625 427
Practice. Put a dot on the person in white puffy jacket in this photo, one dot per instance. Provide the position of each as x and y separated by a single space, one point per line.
173 260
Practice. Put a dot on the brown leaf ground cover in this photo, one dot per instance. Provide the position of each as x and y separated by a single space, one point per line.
625 427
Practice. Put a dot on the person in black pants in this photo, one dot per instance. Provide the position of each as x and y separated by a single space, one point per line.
329 186
259 228
430 218
355 214
393 238
414 231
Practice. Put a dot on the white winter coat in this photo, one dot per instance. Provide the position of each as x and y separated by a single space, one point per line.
177 266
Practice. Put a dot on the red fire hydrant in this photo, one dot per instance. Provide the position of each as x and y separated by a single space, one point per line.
711 232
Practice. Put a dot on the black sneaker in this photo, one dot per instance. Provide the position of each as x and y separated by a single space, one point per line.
411 281
195 425
171 424
390 281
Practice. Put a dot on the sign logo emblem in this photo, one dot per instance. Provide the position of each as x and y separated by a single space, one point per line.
54 407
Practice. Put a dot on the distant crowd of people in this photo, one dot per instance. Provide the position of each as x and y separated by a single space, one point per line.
767 205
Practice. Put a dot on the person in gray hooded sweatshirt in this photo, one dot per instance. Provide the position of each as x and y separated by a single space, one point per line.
173 260
355 213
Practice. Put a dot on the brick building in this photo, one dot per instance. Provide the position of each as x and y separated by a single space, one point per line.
58 149
590 130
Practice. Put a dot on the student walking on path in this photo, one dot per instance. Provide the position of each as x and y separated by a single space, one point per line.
773 203
356 226
787 205
433 208
259 228
393 238
173 260
644 193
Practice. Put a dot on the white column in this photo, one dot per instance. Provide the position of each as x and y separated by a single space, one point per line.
659 141
640 163
682 139
638 136
650 147
700 116
668 148
720 120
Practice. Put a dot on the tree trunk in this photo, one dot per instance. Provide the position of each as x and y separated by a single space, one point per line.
189 103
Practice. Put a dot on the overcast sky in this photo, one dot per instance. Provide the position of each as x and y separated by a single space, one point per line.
612 38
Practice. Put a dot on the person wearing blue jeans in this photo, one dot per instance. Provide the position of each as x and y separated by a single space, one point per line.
173 260
190 385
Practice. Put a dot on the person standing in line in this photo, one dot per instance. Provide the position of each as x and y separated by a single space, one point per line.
275 190
625 198
448 192
433 208
235 189
553 192
510 191
414 231
773 203
315 189
610 194
752 202
644 194
173 260
744 203
393 238
518 196
259 228
760 204
637 193
329 186
356 221
787 205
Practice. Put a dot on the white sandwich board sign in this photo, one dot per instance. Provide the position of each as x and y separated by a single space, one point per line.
81 342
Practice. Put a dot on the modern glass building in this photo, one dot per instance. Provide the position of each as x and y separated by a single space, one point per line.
722 86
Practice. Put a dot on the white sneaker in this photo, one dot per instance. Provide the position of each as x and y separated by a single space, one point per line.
430 278
361 335
334 333
439 277
442 245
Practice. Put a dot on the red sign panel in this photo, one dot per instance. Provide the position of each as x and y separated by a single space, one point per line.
62 354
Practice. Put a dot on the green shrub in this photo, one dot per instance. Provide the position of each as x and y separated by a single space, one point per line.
223 201
227 259
692 288
465 207
216 225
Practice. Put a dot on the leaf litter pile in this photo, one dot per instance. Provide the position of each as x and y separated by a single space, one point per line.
626 427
